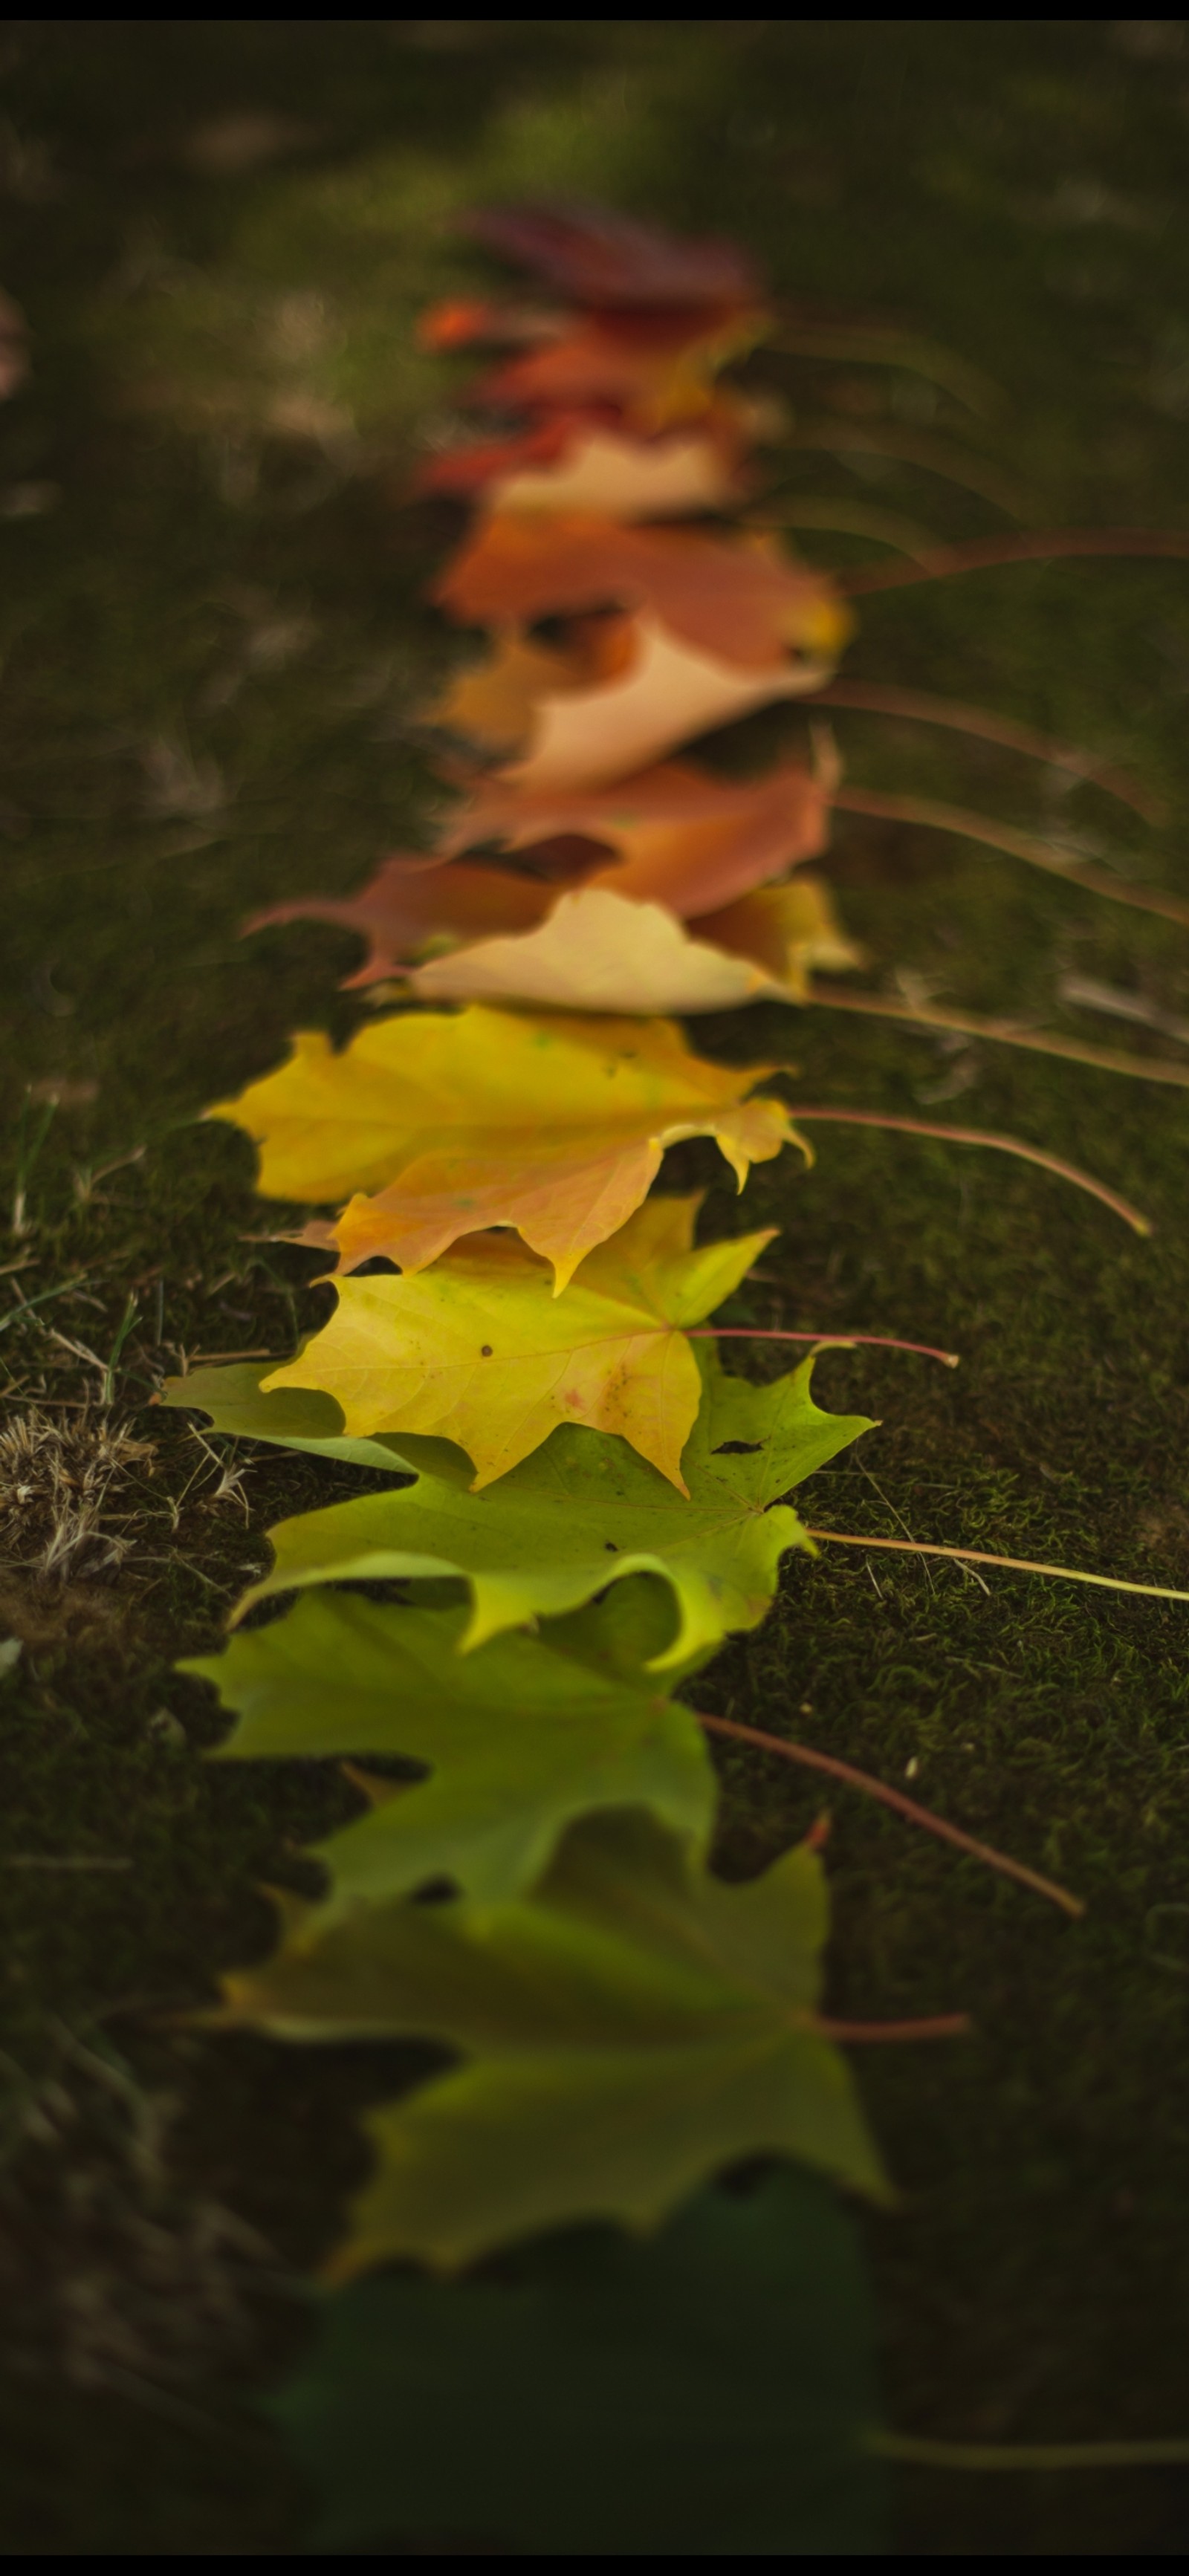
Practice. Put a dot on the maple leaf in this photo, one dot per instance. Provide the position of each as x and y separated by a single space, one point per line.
543 1123
595 255
787 930
412 902
681 838
598 952
293 1418
585 1511
608 704
518 1739
741 599
495 702
707 2391
673 834
570 462
631 2027
478 1350
645 372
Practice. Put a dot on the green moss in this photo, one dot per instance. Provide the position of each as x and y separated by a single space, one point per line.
214 649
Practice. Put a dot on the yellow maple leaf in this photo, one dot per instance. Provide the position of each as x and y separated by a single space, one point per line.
478 1350
460 1121
599 951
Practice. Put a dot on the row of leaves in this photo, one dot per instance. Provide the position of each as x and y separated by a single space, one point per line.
580 1506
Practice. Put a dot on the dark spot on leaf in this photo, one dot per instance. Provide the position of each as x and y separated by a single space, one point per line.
737 1448
610 1543
485 1353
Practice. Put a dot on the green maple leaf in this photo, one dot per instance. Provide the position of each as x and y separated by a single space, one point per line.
519 1738
290 1417
632 2027
706 2393
585 1510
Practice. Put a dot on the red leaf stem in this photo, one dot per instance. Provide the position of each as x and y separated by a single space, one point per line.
812 1760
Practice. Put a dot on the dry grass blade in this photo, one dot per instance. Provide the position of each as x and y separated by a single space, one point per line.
55 1484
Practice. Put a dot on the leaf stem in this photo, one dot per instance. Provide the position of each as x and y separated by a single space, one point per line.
825 1341
894 1798
1033 546
918 2452
1013 1564
938 2026
1018 845
878 1006
981 1136
917 706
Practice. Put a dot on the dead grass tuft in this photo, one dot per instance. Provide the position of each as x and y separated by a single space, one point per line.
57 1486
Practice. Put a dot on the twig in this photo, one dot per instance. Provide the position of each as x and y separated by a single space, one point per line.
978 1136
1013 1564
1016 845
813 1761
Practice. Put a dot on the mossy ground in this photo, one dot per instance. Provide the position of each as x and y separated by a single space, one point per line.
213 649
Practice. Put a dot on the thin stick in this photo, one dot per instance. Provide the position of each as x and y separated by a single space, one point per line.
1014 1564
970 1024
825 1341
1016 845
902 1806
919 707
980 1136
938 2026
1039 546
918 2452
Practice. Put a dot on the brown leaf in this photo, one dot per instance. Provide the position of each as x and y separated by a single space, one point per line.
740 598
413 902
595 256
649 369
665 691
670 835
599 952
571 461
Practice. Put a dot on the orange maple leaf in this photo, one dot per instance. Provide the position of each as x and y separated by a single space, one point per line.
741 598
671 835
